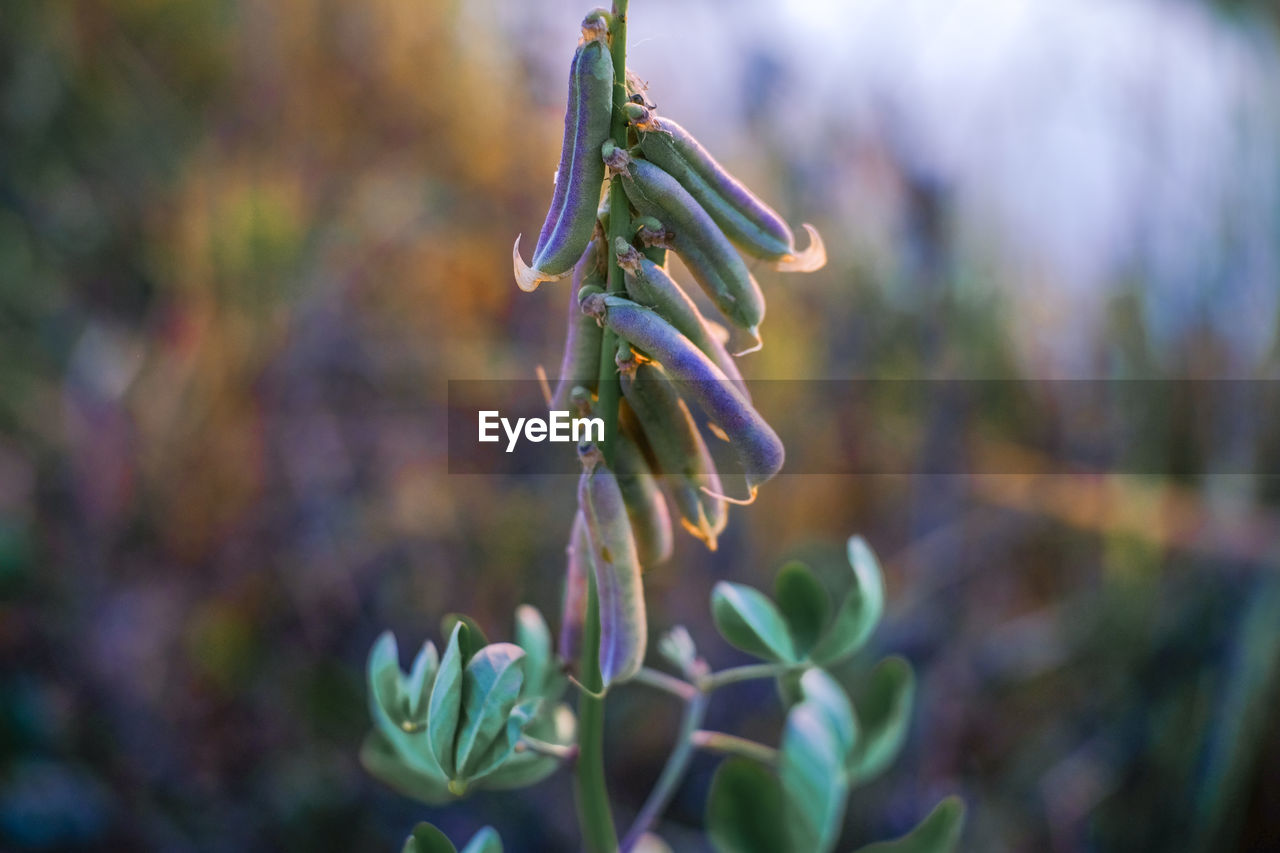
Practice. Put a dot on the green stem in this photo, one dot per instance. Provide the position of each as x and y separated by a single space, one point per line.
728 744
592 795
745 673
669 779
662 681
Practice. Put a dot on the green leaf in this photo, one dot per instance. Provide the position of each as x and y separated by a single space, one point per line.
381 760
427 839
490 689
804 604
813 779
502 747
540 674
937 833
484 841
884 714
472 639
522 769
821 690
417 688
446 701
751 622
385 681
744 809
860 611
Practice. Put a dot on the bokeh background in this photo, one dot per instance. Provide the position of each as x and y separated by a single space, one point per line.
244 244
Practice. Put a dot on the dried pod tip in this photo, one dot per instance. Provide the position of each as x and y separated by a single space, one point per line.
594 304
811 259
590 456
641 117
754 489
595 26
628 258
754 332
528 278
616 159
580 400
626 360
703 530
588 290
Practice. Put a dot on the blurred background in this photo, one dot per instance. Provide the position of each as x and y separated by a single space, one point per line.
244 244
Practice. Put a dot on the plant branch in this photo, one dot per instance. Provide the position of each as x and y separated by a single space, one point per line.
669 780
669 683
542 747
728 744
716 680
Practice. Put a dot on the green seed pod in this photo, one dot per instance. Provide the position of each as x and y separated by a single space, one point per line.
746 220
572 217
715 264
623 627
646 507
679 451
649 285
756 444
580 364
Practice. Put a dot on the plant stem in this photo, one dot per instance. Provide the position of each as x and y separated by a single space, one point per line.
745 673
594 817
592 795
669 780
669 683
733 745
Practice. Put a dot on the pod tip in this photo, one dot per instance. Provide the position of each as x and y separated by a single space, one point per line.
811 259
754 332
755 490
528 278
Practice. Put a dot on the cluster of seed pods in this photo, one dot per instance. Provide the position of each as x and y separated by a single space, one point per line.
672 360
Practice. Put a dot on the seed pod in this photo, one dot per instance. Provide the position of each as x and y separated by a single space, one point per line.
572 217
756 444
745 219
649 285
654 238
580 364
646 507
715 264
678 449
573 610
623 628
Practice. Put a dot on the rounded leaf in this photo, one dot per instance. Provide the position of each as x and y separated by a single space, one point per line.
804 604
490 689
750 622
813 779
380 758
860 611
471 640
744 809
484 841
937 833
428 839
884 715
823 692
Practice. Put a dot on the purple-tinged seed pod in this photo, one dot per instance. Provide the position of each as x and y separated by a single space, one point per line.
580 364
649 285
571 219
679 452
573 610
756 444
745 219
714 262
623 627
646 507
